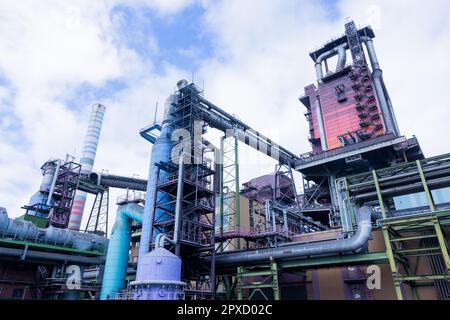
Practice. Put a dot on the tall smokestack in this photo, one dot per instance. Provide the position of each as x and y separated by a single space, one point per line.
87 161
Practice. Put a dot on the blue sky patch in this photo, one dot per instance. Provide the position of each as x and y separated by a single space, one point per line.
177 39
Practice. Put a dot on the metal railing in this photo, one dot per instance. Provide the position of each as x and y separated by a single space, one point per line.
193 174
134 295
131 197
254 232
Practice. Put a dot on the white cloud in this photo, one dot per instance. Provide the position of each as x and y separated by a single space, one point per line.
162 7
46 53
412 43
259 67
170 6
261 63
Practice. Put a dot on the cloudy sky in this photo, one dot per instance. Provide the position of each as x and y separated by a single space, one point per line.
251 57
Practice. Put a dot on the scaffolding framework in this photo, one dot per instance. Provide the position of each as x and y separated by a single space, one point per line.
98 218
65 187
230 204
253 280
415 233
189 185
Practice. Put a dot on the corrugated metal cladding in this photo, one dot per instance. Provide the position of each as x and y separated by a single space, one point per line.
340 117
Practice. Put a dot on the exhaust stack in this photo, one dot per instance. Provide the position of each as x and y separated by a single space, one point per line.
87 161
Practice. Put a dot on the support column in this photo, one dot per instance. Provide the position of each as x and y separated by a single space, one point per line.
380 197
268 278
237 186
221 185
387 241
275 284
425 187
442 244
392 263
240 283
179 205
323 139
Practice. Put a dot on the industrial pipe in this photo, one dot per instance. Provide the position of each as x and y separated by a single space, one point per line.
161 282
342 57
377 75
179 203
323 139
221 120
110 177
391 108
344 205
401 182
162 238
411 213
112 181
329 54
119 246
26 231
42 198
95 274
353 244
44 256
115 183
52 187
250 137
410 188
429 171
49 173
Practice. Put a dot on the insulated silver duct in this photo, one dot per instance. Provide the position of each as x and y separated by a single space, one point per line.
249 136
340 50
50 256
114 181
377 75
26 230
323 139
292 251
342 58
437 183
236 123
391 108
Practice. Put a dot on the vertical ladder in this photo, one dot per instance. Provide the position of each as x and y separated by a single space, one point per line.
354 43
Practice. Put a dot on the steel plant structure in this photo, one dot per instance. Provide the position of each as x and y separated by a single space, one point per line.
370 199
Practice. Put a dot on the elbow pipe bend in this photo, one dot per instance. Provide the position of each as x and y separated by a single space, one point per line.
353 244
329 54
132 211
335 50
342 58
161 240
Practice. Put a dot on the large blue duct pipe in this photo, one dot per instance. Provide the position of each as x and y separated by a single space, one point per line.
119 246
161 152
